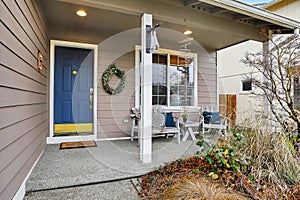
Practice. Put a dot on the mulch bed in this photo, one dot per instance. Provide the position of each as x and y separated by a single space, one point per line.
153 184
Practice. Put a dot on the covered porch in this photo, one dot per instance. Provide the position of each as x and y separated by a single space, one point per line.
118 32
112 31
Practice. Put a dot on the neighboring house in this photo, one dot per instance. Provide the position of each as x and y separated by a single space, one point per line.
66 98
232 72
233 78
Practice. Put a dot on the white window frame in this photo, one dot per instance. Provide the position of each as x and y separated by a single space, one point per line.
246 91
167 52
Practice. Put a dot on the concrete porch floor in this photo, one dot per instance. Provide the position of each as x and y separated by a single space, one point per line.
99 172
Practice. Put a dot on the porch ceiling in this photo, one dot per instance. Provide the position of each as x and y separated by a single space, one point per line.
213 26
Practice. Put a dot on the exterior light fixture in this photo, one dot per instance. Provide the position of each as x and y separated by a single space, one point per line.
81 13
187 31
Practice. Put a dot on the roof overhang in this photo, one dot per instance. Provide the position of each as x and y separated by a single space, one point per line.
254 12
216 24
272 3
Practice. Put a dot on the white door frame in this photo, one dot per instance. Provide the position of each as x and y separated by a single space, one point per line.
51 139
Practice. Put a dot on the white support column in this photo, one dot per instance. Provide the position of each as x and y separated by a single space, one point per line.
146 96
296 31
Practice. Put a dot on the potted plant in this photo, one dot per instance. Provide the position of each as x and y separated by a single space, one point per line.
184 117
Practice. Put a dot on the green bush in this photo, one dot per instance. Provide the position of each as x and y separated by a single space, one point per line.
223 155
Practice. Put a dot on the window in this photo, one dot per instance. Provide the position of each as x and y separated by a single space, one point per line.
159 79
297 93
246 85
173 81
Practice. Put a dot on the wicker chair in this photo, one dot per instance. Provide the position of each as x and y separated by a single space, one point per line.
158 125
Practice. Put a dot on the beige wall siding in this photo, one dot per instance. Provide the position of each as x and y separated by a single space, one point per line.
287 8
114 109
207 78
23 91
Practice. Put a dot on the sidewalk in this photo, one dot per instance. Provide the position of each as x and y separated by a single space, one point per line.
101 172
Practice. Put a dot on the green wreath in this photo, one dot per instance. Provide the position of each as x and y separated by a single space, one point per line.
107 74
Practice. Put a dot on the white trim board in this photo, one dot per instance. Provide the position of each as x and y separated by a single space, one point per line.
51 139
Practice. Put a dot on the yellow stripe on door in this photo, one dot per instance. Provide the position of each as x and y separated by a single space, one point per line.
73 128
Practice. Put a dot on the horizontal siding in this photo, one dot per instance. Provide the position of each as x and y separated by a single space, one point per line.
24 97
23 90
13 133
207 78
114 109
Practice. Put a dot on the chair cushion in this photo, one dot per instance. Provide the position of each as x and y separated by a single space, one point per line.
215 118
170 120
207 117
211 117
158 119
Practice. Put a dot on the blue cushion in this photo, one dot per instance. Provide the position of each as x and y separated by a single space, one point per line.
215 118
211 117
207 117
169 120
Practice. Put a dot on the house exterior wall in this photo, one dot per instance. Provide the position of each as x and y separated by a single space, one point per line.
287 8
232 72
23 91
113 110
207 78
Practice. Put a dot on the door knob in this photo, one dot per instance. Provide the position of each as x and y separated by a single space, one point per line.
91 90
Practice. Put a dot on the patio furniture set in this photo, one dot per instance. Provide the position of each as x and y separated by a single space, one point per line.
166 122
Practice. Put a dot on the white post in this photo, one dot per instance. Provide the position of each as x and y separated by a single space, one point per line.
146 96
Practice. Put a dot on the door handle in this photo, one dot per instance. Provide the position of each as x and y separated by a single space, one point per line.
91 102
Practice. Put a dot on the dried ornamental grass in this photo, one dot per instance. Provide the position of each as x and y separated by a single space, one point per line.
200 189
272 156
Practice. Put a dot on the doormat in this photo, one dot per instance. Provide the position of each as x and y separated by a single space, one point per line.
71 145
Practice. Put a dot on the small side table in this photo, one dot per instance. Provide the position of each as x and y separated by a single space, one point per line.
186 128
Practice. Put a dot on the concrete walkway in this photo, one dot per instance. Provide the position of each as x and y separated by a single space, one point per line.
102 172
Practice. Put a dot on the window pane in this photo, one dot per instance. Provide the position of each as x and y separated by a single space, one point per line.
247 85
181 77
154 90
154 100
162 100
190 91
159 79
174 100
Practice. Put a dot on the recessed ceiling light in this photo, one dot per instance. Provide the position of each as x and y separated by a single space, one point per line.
81 13
187 31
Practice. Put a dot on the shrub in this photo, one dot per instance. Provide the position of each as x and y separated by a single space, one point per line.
223 155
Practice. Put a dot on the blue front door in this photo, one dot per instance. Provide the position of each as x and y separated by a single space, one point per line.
73 91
